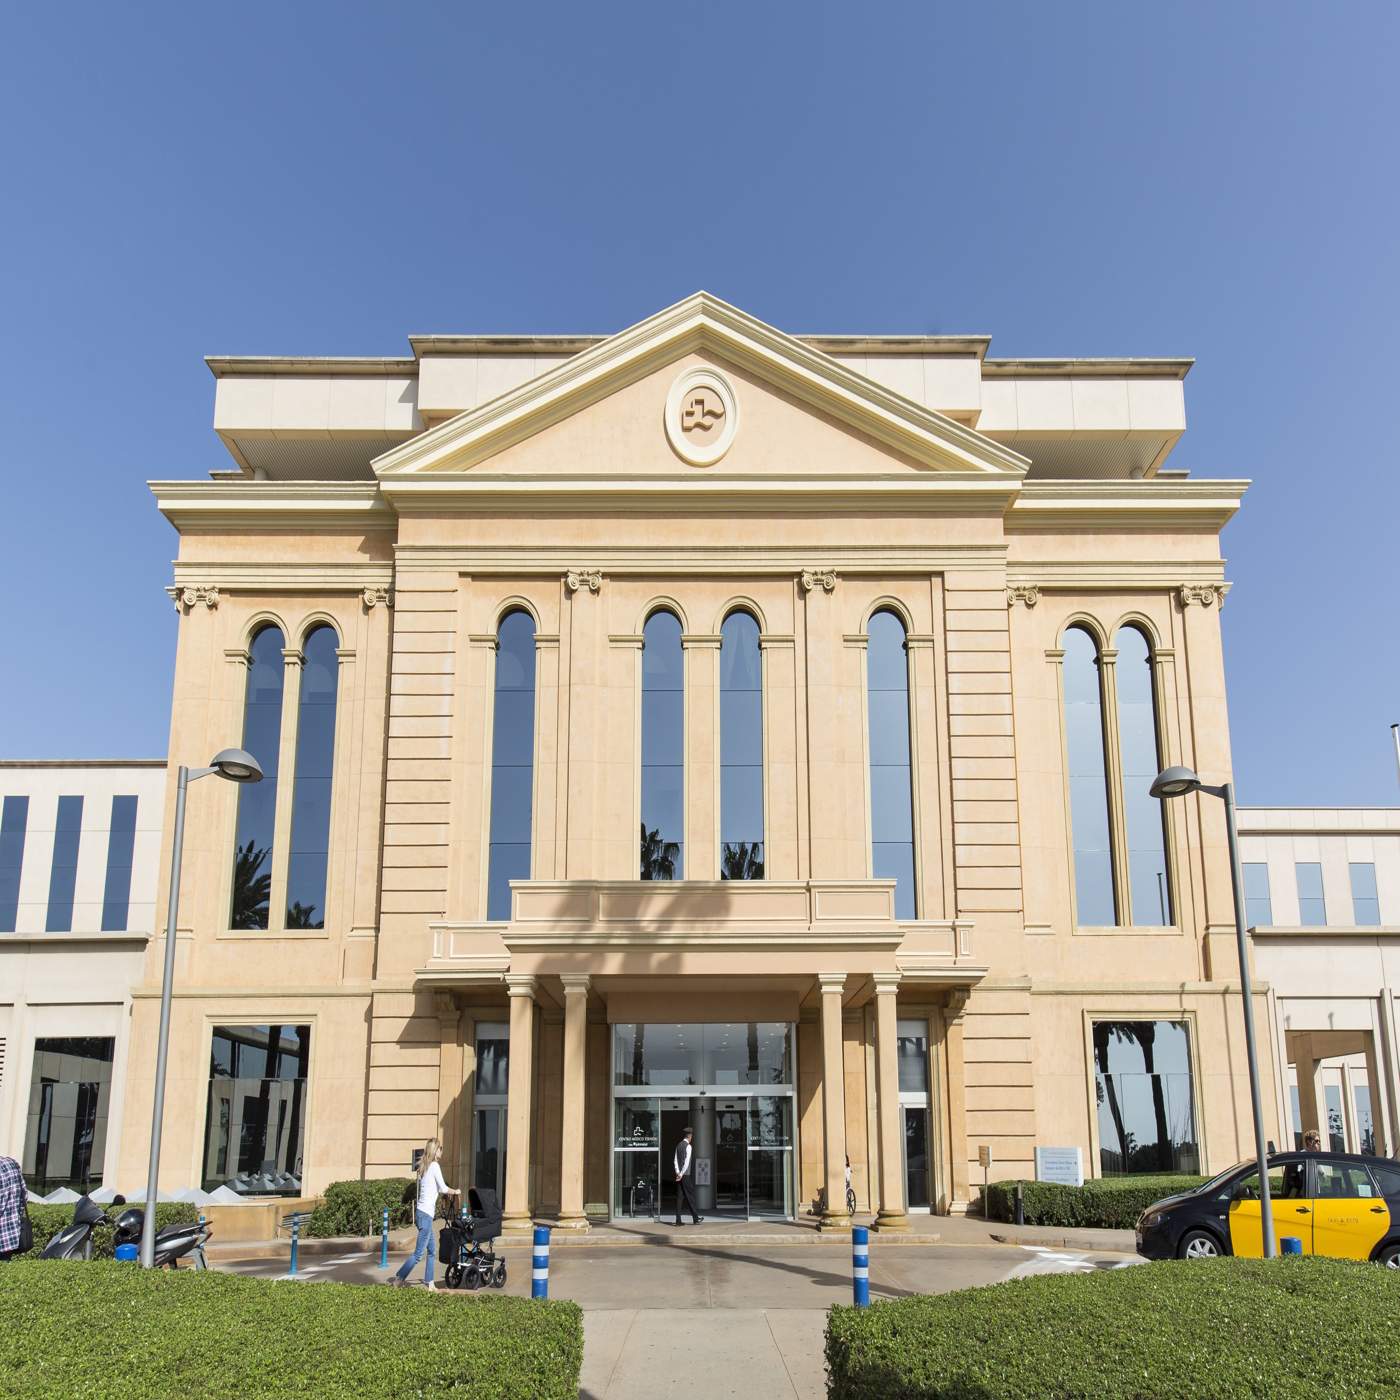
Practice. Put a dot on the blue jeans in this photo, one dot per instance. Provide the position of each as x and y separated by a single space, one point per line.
424 1222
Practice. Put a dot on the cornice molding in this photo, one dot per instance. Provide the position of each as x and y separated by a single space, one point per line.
1104 576
274 506
702 322
1124 505
235 576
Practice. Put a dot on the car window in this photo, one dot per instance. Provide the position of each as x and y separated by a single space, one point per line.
1247 1187
1342 1181
1294 1186
1387 1178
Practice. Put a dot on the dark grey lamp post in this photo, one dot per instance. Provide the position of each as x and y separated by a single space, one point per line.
1178 782
238 767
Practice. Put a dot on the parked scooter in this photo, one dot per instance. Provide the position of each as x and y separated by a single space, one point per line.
75 1241
172 1243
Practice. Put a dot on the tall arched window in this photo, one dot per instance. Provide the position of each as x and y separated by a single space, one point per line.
891 774
257 802
311 786
1088 781
512 761
1144 817
740 749
663 749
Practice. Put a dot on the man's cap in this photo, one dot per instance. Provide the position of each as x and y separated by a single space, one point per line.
688 1132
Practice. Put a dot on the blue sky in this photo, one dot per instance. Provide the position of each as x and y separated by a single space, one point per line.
1208 180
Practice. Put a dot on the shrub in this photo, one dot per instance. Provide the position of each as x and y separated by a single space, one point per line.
125 1333
1227 1327
1111 1203
49 1220
357 1207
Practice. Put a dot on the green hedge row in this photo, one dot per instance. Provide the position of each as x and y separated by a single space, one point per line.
1110 1203
49 1220
124 1333
1286 1329
357 1208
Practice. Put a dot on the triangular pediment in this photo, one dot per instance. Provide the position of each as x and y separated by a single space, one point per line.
779 383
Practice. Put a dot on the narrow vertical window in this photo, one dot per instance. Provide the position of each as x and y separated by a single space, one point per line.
1144 816
311 786
512 761
1258 908
663 749
63 874
1365 903
121 843
891 787
1088 782
257 802
1312 903
14 818
741 749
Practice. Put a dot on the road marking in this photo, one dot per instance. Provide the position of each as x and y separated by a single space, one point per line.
1061 1261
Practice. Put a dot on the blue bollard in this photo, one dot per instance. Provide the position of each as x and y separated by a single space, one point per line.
128 1253
860 1265
539 1273
296 1233
1291 1244
384 1241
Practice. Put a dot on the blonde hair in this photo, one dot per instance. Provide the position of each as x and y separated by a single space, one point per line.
431 1148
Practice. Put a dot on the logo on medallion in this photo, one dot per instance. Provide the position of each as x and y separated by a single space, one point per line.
702 416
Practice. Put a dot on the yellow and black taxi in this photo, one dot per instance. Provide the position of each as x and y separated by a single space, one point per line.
1334 1203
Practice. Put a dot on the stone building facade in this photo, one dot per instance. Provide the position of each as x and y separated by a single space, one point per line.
699 724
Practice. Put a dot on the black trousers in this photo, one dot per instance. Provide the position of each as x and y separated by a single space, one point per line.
683 1190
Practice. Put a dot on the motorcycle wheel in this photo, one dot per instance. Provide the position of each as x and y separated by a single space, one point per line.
498 1274
453 1277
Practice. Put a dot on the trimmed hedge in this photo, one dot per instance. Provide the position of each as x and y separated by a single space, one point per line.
126 1333
1110 1203
49 1220
1287 1329
357 1208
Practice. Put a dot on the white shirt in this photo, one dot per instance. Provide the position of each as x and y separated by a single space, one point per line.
683 1157
430 1187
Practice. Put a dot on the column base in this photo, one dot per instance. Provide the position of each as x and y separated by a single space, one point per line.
835 1223
572 1222
517 1222
890 1221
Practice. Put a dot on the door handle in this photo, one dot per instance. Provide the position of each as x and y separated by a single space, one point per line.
1378 1210
1303 1210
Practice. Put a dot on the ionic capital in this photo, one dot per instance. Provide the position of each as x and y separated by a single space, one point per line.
190 596
1204 594
591 579
1027 593
376 594
824 579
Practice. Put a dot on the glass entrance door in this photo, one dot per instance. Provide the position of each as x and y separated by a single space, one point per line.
770 1156
489 1151
916 1175
731 1157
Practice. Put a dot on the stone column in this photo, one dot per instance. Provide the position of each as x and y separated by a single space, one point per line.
571 1142
449 1016
893 1215
1300 1053
520 1081
957 1102
834 1101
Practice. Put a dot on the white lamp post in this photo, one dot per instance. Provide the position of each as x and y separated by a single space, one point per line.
1178 782
238 767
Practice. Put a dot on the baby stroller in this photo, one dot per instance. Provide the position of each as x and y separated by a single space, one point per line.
465 1245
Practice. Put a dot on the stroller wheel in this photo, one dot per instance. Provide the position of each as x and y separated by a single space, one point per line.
453 1277
474 1278
498 1274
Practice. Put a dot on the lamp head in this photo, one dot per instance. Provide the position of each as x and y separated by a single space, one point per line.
238 766
1174 782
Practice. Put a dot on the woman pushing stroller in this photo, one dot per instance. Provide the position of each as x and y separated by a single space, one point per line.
430 1187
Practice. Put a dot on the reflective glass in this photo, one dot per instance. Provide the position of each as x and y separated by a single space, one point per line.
754 1052
311 791
916 1163
1365 1124
1258 911
121 843
1144 815
660 1053
489 1150
1365 903
14 819
512 761
66 1128
1312 906
63 876
1297 1107
741 749
492 1060
256 1121
1088 782
912 1055
662 853
1336 1127
1143 1093
257 802
891 789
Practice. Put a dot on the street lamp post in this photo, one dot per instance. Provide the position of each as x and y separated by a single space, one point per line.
238 767
1178 782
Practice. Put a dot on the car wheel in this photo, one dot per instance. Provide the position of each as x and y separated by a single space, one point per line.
1199 1244
1389 1256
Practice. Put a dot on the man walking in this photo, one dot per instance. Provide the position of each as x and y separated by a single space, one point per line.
12 1209
685 1157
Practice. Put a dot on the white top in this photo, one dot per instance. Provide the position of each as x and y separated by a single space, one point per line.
430 1187
683 1158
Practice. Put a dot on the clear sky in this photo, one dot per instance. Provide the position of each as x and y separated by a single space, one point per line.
1215 180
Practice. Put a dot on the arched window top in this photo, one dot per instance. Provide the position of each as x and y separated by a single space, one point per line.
1087 628
668 606
318 622
892 609
1081 650
257 802
746 606
740 661
663 748
1095 905
661 651
515 651
1149 888
309 856
891 767
261 623
888 651
320 666
510 606
512 760
741 748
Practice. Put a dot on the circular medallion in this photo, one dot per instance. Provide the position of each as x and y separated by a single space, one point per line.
702 416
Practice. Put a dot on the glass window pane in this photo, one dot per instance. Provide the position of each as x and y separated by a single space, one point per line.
14 819
660 1053
255 1125
1336 1126
913 1057
311 790
1312 907
66 1125
1365 905
754 1052
1296 1104
121 843
1088 782
891 774
63 875
741 804
663 750
1365 1125
257 802
512 762
1143 1097
1144 815
1258 909
492 1061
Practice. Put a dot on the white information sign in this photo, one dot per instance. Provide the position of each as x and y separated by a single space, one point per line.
1062 1165
702 1171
